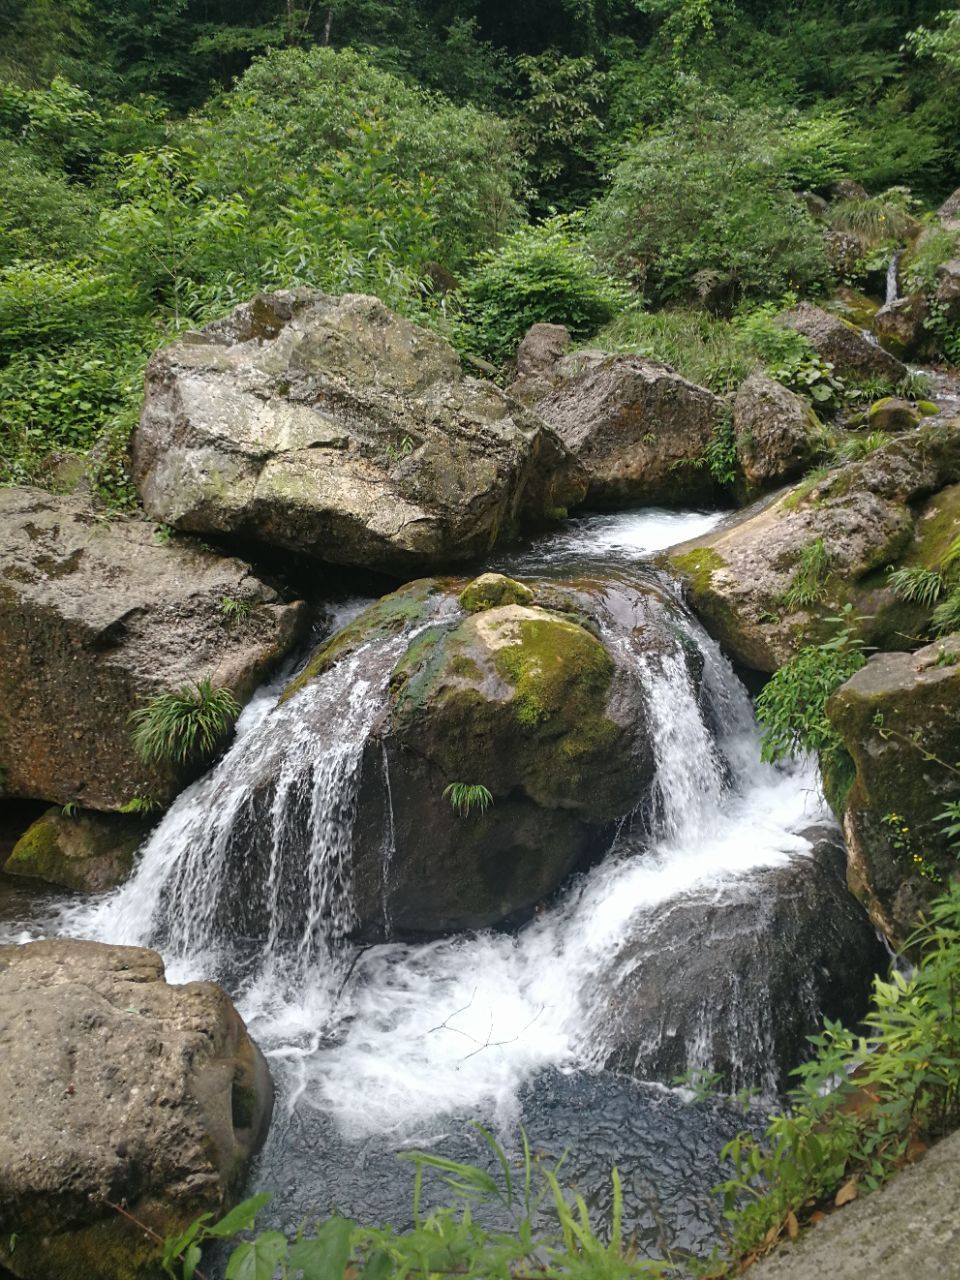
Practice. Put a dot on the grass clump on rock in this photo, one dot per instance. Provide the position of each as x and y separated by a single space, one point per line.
183 724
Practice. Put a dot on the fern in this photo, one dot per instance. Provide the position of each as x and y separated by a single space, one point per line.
184 724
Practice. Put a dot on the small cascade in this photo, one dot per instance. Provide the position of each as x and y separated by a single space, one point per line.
252 864
893 287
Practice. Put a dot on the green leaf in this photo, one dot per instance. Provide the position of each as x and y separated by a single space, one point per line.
258 1259
325 1255
241 1217
379 1266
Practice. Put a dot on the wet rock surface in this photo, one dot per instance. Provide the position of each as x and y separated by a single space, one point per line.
84 850
764 959
116 1088
332 427
95 617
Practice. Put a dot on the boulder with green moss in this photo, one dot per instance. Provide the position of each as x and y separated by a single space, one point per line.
332 427
96 617
118 1090
899 326
892 414
529 696
85 850
899 721
765 583
777 434
638 430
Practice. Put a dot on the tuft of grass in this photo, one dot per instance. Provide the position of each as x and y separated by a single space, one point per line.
236 610
855 447
946 616
917 585
465 797
701 347
808 585
183 724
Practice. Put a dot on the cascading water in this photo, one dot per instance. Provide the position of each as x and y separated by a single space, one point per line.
403 1042
893 286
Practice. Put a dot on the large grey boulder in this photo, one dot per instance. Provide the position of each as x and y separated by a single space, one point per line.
332 427
116 1089
852 354
765 961
637 428
776 433
949 211
96 616
857 521
899 720
947 293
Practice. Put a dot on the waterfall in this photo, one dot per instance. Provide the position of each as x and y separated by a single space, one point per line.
248 878
893 288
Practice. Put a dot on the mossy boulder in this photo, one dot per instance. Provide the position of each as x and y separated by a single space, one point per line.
491 590
765 583
899 326
898 720
332 427
97 617
891 414
534 696
86 851
118 1089
844 346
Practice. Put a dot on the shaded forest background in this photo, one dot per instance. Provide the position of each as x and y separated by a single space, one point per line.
647 165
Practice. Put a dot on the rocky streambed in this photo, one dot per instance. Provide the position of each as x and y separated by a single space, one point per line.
493 846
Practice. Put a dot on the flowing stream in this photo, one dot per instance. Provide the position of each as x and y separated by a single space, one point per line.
378 1048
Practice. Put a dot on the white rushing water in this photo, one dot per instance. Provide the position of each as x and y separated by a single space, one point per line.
387 1037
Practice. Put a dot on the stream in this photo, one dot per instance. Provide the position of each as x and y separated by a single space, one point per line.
383 1048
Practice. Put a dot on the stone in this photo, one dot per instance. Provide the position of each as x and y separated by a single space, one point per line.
765 961
541 349
949 211
853 356
776 433
947 291
909 1227
899 326
851 304
333 428
116 1089
95 617
891 414
898 719
738 578
537 697
86 851
846 189
638 430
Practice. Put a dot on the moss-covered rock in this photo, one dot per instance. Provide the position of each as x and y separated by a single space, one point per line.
491 590
898 720
86 851
762 592
891 414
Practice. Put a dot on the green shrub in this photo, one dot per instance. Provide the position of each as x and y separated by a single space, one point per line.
465 797
791 708
539 273
703 195
183 725
902 1078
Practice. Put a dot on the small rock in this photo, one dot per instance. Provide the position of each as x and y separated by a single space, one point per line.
537 356
491 590
87 851
892 415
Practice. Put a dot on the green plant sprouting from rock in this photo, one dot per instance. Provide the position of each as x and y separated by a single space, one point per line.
183 725
468 797
808 585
